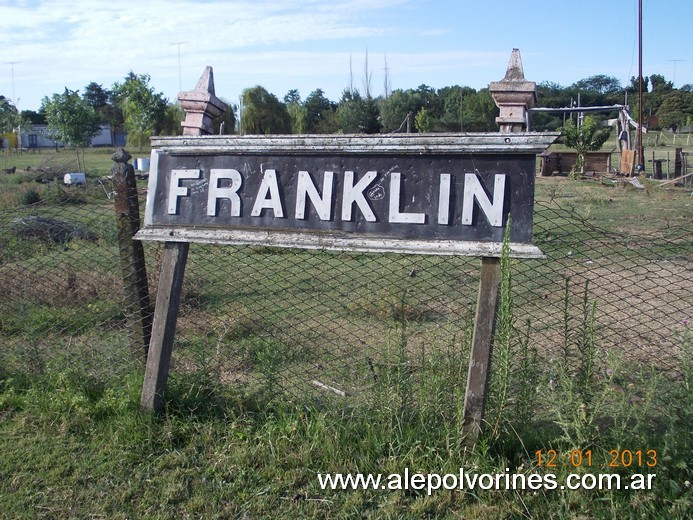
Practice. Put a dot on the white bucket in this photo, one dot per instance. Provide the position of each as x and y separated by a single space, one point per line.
75 178
143 164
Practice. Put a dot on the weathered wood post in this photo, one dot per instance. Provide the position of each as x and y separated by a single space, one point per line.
514 96
678 161
200 105
132 265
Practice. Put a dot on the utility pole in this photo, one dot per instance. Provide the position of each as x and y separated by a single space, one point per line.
180 83
367 78
675 62
641 159
12 64
387 79
351 77
18 130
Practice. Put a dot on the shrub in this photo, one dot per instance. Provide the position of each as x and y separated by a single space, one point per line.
29 197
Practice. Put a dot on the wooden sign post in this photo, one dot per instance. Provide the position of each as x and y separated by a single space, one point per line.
200 105
441 194
514 96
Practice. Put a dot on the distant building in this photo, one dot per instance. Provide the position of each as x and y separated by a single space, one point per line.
38 137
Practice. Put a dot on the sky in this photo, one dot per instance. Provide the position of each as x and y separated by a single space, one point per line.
48 46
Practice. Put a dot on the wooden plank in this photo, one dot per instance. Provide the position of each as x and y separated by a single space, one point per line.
416 144
482 346
627 162
675 180
334 242
163 331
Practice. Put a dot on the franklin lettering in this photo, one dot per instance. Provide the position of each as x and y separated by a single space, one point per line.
306 196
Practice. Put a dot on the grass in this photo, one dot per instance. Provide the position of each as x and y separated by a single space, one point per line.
591 355
97 160
75 447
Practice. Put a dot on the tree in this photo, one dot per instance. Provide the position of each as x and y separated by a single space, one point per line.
660 85
170 123
676 109
370 122
350 112
395 109
660 88
96 95
587 138
144 110
297 112
292 97
71 120
599 90
634 87
9 116
450 99
357 115
600 84
421 121
319 113
298 118
225 123
479 112
551 95
263 113
33 117
429 98
102 101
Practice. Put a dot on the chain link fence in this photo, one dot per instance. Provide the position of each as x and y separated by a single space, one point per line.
309 325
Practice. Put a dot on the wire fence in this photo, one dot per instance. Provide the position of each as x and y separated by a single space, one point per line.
311 324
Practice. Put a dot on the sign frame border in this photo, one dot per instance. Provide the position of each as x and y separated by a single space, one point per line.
314 145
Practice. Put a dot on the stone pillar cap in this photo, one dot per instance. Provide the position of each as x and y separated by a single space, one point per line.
201 105
513 96
514 82
203 93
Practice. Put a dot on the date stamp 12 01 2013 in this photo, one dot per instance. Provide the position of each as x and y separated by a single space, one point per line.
585 458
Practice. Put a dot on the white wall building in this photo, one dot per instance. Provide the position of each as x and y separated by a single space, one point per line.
37 137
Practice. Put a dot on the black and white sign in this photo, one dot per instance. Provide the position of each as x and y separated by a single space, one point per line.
439 194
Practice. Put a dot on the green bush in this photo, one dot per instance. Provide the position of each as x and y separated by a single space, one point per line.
29 197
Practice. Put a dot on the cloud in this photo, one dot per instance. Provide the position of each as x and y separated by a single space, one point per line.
303 44
84 40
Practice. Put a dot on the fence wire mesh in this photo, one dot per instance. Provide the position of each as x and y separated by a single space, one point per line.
315 324
60 282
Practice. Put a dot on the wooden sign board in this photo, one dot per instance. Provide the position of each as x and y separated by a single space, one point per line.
627 162
424 194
